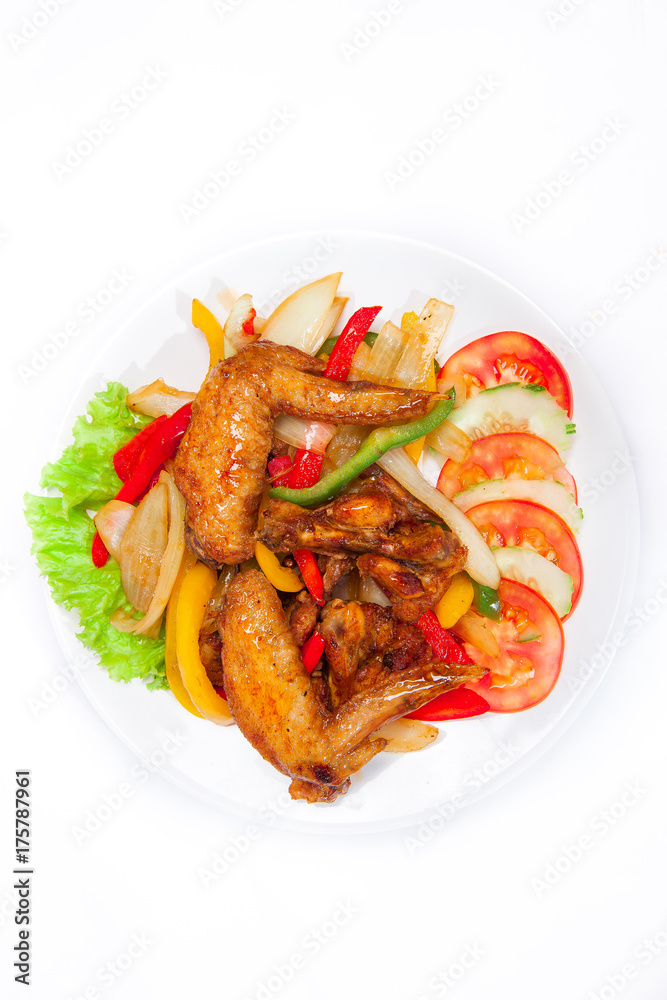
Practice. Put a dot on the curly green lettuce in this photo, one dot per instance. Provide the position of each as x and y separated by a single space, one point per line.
63 532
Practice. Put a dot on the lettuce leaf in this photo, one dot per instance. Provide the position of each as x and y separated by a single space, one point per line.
63 532
85 473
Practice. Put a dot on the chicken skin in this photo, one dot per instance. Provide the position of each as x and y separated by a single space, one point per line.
220 465
280 711
411 561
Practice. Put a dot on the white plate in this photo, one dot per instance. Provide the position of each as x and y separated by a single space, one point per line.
473 756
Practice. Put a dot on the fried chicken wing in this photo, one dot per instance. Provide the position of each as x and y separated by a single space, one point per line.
220 465
277 707
411 561
362 641
360 522
412 587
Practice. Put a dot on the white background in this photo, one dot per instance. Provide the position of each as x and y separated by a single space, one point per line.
406 916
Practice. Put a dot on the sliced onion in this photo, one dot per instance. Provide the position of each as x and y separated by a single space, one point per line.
386 354
143 547
450 441
111 522
241 315
337 306
459 387
371 592
345 443
158 398
416 364
313 435
473 628
123 621
360 363
347 588
406 735
480 561
171 560
299 319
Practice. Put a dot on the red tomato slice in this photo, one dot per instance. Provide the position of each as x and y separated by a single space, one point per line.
514 455
527 525
523 673
507 357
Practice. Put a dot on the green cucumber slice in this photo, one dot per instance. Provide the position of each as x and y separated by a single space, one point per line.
534 571
555 496
515 407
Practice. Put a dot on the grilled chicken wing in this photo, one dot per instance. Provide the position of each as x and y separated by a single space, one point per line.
220 465
363 641
411 561
277 708
358 522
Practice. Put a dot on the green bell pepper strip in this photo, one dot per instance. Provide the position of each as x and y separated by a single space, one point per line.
486 601
376 444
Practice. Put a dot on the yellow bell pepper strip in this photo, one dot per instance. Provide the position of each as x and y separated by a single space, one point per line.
171 661
205 321
410 322
375 445
194 595
281 577
455 601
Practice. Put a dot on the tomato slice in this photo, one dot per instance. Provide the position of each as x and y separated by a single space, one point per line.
525 671
515 455
528 525
508 356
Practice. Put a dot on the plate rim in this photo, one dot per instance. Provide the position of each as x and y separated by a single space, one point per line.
121 317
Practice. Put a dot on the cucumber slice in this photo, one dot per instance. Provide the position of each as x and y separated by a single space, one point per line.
534 571
555 496
515 407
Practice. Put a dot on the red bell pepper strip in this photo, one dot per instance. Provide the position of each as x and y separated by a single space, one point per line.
159 447
442 642
310 572
357 327
311 651
307 466
126 458
153 482
306 469
99 551
461 703
279 470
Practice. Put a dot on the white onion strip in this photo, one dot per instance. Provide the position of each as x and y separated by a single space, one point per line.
143 546
111 522
406 735
313 435
171 561
300 318
158 399
386 354
450 441
480 561
371 592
